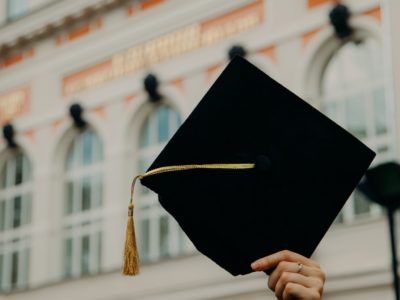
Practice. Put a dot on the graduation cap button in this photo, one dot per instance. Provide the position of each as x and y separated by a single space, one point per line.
262 163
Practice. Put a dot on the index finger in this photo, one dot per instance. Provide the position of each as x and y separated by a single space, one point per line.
271 261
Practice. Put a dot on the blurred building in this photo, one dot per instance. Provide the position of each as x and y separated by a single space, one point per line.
64 191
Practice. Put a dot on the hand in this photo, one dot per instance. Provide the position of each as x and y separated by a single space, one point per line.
295 277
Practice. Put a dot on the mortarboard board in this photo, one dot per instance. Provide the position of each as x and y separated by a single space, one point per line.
253 170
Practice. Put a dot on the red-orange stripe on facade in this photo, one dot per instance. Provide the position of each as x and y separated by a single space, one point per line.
55 125
30 134
314 3
147 4
212 71
13 59
100 111
79 32
308 36
269 52
75 77
128 100
179 84
130 11
374 13
256 7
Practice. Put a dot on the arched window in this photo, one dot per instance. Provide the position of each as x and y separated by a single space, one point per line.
82 205
353 92
15 215
159 235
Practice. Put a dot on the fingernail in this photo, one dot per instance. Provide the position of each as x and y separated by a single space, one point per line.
255 266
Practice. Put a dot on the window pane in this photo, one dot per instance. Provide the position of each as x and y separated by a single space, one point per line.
380 111
26 174
163 124
86 194
145 239
164 236
99 252
26 209
14 269
356 117
1 269
87 138
18 169
382 149
97 148
25 268
3 177
145 134
17 212
85 255
97 191
71 156
361 203
2 216
175 122
68 258
69 198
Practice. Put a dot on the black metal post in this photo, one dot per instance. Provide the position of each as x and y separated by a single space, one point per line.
390 213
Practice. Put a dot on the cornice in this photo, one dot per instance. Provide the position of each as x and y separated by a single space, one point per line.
50 20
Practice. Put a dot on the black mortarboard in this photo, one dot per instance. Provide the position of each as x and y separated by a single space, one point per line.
254 170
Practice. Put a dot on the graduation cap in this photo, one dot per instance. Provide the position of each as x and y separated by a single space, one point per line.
253 170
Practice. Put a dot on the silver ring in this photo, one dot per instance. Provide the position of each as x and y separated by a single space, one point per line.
299 267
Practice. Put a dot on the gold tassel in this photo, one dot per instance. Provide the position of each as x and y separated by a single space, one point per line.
131 255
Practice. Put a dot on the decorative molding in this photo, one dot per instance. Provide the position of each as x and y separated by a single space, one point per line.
375 13
314 3
87 13
269 52
308 36
165 47
14 103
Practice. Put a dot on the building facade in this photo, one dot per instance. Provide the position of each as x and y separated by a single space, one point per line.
64 190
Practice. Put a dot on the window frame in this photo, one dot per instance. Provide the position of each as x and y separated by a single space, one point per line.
348 214
15 240
81 223
147 207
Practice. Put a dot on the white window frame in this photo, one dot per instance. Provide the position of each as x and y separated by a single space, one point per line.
15 240
147 205
339 97
81 223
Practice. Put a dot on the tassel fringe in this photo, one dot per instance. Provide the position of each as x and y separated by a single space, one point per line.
131 256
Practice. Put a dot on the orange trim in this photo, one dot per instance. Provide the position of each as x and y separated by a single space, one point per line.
308 36
256 8
78 32
100 111
212 71
74 78
270 52
314 3
30 53
179 84
59 40
98 24
165 47
146 4
130 11
128 100
56 124
375 13
30 134
15 103
13 59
